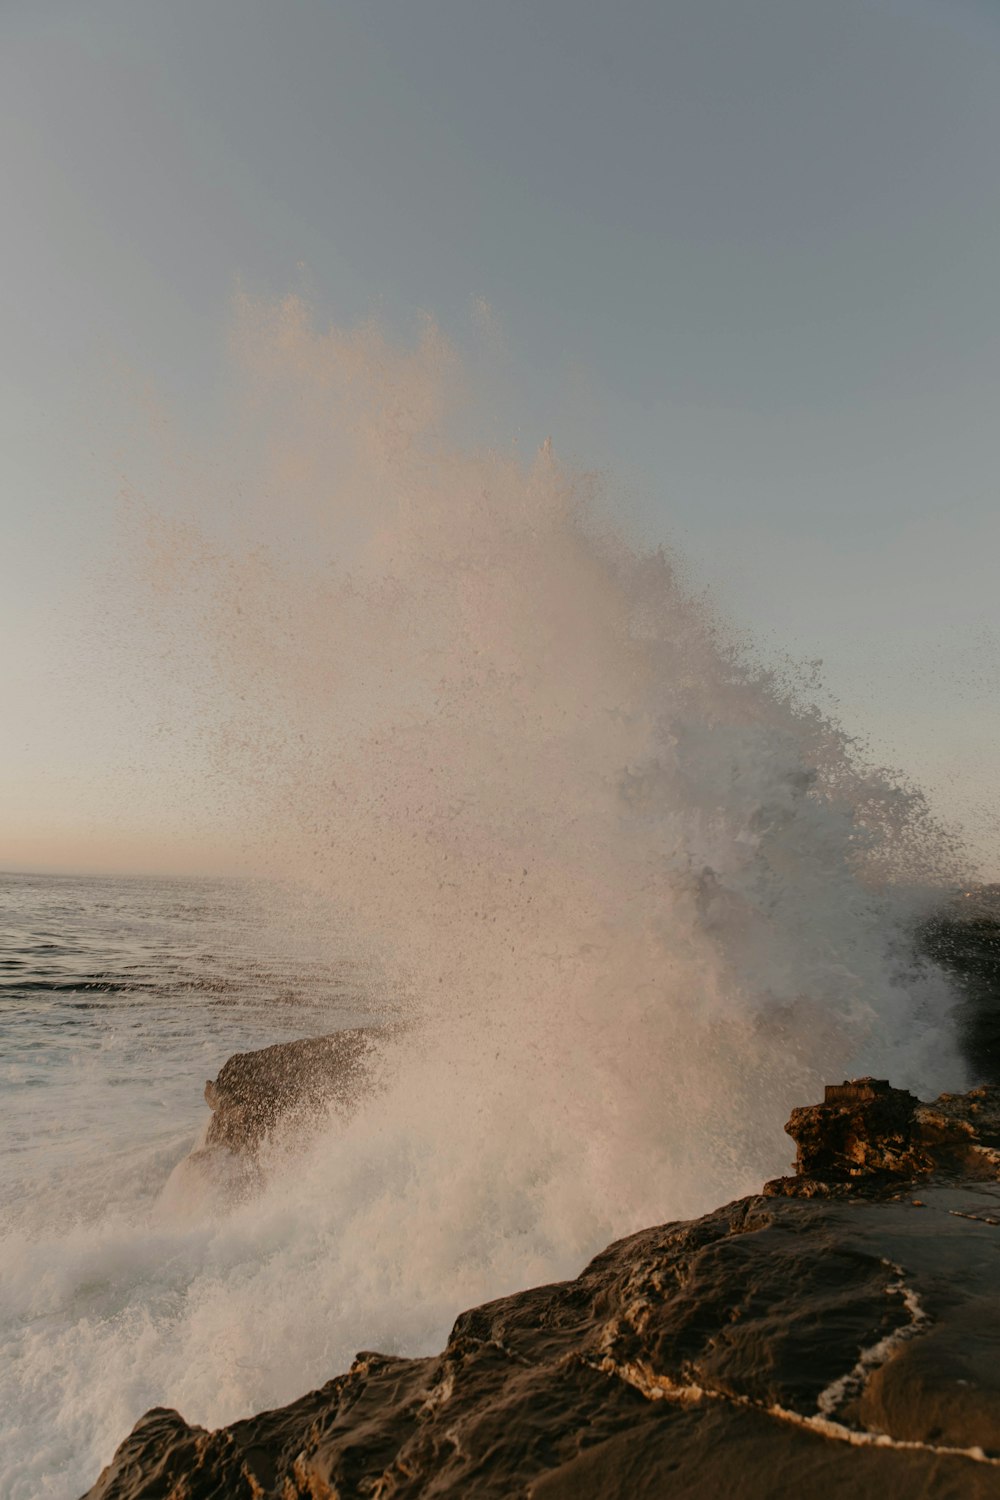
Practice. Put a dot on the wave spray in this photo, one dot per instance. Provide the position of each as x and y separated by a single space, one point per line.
631 895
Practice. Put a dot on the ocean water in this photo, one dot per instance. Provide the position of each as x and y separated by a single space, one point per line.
118 998
513 780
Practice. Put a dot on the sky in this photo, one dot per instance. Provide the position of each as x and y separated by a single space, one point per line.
740 254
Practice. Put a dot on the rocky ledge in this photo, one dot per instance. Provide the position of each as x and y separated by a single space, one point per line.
840 1338
867 1137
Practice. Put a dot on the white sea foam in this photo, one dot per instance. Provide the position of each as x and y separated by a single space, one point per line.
638 896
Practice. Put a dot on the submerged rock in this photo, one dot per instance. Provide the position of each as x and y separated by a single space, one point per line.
844 1345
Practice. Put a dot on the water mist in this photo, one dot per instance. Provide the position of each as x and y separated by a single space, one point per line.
632 896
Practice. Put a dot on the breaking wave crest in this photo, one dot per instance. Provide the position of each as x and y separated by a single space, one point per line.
633 895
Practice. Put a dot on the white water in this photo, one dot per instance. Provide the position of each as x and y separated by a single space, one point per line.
641 899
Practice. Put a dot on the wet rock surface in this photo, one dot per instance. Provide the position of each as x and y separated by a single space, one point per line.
846 1341
278 1094
869 1137
254 1090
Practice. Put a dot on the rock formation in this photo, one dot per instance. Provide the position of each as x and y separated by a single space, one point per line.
842 1339
286 1090
291 1080
867 1136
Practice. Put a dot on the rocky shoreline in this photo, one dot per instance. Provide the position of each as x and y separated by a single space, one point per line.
839 1331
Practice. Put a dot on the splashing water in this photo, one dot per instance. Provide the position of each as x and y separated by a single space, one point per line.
635 896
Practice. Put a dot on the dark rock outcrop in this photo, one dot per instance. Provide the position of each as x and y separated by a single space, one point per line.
964 938
279 1094
844 1345
289 1082
868 1137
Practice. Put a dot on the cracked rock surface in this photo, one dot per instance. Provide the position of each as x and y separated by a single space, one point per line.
779 1346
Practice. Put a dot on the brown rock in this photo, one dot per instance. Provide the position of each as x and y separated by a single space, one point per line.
290 1081
869 1137
841 1345
288 1089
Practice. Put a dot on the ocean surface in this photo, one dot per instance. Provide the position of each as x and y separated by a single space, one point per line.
118 999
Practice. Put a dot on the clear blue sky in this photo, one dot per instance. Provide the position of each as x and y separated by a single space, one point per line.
744 253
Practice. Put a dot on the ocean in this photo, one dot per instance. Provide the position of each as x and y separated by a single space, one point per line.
119 997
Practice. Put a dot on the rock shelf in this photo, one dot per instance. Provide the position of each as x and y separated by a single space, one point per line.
837 1335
